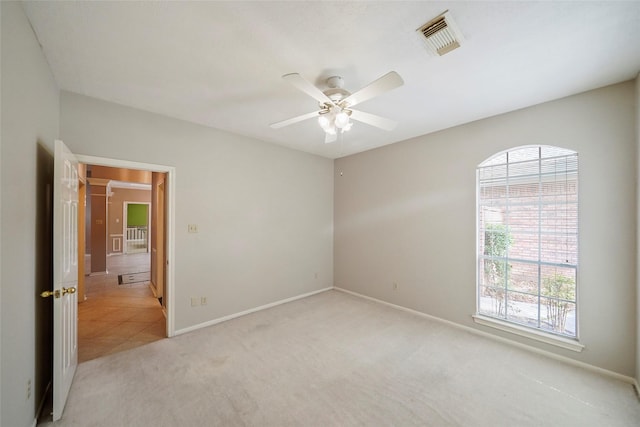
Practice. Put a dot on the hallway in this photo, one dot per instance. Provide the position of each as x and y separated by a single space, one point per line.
115 317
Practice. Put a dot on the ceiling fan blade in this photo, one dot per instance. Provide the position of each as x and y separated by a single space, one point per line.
373 120
293 120
330 137
299 82
389 81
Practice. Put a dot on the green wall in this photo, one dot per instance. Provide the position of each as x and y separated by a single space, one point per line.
137 215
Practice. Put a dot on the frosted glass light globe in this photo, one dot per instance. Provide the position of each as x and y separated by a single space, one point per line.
342 120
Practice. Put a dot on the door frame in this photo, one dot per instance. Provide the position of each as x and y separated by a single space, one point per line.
170 200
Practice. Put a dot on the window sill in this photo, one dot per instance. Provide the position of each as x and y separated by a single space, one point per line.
522 331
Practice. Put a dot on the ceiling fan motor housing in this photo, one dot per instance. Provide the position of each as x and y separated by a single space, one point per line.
336 95
336 92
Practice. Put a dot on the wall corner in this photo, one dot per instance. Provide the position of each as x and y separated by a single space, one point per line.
637 129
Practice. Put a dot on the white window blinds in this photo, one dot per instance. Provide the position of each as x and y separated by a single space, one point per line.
528 238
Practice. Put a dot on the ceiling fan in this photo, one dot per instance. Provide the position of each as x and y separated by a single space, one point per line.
335 104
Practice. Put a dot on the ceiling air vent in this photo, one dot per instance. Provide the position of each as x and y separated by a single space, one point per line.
441 34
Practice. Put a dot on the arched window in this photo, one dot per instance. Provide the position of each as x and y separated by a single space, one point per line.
528 238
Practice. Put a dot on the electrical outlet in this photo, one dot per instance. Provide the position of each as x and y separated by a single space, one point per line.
315 276
28 389
195 301
193 228
203 300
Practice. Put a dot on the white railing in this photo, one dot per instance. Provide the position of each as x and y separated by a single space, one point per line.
137 234
137 239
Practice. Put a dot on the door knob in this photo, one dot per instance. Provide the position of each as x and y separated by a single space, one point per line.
47 294
57 293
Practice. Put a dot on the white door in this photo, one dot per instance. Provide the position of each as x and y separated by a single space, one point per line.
65 275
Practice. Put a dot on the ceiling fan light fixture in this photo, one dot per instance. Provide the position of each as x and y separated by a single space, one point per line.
335 119
341 120
324 121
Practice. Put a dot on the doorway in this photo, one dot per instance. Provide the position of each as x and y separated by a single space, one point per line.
122 306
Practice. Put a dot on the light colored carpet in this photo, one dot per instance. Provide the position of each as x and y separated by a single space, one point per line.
338 360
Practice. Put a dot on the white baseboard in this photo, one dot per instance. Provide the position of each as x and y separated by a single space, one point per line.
592 368
244 313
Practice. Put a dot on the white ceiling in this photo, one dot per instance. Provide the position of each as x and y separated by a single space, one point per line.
220 63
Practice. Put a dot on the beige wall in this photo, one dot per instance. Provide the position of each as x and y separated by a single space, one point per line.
405 213
264 213
115 212
98 236
30 119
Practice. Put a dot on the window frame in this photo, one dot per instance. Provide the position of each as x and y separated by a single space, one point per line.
503 322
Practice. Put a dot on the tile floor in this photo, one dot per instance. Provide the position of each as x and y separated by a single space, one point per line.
116 317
